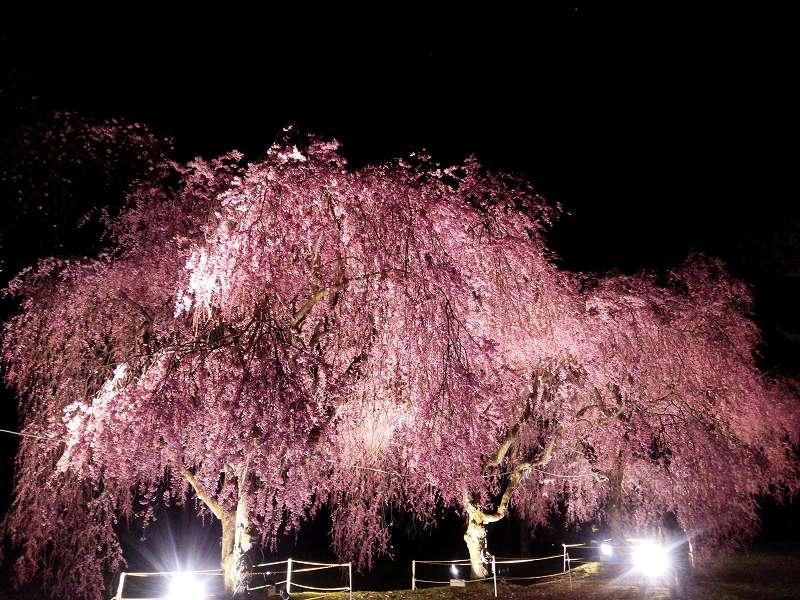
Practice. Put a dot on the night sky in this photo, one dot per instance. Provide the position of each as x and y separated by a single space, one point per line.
660 132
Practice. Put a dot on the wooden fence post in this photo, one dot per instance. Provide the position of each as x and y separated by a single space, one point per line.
120 586
289 576
494 575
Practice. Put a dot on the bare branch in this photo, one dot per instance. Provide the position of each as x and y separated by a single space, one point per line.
503 449
321 294
212 504
516 475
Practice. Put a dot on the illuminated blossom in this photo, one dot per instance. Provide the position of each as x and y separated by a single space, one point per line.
293 333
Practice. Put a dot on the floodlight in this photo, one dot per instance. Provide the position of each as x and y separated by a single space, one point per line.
650 559
184 586
606 549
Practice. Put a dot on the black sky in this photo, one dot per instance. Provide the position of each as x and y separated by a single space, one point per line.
663 131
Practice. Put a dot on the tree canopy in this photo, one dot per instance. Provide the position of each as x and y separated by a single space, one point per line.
292 333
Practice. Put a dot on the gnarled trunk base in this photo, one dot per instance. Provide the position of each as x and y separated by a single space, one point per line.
475 537
236 541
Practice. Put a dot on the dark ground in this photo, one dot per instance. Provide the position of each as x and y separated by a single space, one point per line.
756 575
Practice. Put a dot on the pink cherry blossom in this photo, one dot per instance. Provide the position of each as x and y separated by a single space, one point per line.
272 337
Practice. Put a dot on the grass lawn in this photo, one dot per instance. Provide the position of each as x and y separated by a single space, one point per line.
750 576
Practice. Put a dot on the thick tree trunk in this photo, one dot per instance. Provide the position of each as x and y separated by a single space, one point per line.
236 541
475 537
227 558
236 537
477 519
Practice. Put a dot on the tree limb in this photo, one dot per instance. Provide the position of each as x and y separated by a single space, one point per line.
533 399
313 300
518 472
605 410
212 504
586 452
137 306
503 449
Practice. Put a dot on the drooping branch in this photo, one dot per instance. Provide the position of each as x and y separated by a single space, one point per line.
201 493
318 293
145 313
321 293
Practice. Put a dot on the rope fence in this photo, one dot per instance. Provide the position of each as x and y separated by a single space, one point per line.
290 572
569 560
495 562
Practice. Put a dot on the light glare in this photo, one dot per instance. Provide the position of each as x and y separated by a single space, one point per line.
454 570
183 586
606 549
650 559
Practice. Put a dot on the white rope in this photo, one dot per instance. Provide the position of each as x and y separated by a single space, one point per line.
327 565
166 573
465 561
27 435
316 566
448 582
261 587
373 469
307 569
511 561
319 589
531 577
269 564
499 561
